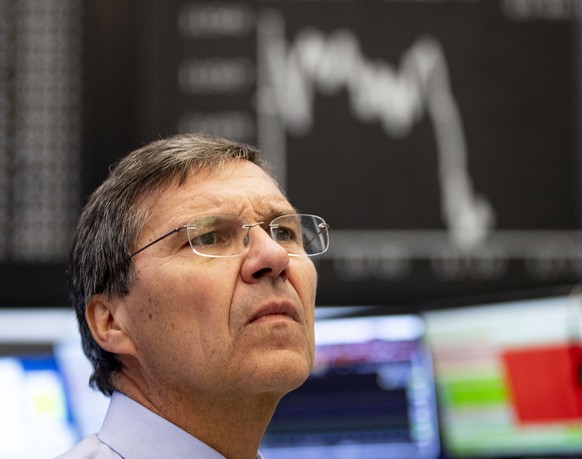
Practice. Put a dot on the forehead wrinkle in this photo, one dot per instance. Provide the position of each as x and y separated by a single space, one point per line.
249 206
261 207
272 207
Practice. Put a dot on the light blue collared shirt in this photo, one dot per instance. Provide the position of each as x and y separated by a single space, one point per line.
131 431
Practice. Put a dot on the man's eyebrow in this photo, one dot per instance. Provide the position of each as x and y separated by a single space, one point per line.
271 207
275 212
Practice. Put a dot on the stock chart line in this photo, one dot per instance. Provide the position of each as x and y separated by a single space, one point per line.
291 73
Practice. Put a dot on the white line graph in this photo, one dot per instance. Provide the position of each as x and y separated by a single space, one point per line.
290 75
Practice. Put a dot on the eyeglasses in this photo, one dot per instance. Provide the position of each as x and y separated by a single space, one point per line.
223 236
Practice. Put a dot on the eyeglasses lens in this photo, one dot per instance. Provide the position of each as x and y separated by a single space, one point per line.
229 236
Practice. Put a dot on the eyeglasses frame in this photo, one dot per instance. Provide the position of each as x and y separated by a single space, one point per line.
324 227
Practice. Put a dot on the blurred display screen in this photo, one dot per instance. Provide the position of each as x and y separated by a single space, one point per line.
444 154
371 395
46 405
509 377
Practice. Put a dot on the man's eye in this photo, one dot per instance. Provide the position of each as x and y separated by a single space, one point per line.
285 234
206 239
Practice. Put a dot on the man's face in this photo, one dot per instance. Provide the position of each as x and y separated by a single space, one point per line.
213 325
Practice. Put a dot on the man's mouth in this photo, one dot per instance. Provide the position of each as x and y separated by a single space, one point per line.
283 310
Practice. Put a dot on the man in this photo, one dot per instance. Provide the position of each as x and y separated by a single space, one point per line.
192 281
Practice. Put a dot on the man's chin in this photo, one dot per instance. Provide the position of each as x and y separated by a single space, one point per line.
285 373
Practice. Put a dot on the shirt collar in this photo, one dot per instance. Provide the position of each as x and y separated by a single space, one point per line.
133 431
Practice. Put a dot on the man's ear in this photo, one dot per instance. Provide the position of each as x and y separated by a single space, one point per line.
107 322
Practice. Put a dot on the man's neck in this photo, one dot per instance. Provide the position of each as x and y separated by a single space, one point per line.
231 424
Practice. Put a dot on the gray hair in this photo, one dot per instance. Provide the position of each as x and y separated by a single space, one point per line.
112 220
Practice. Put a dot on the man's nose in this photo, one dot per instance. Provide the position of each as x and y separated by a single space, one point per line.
265 257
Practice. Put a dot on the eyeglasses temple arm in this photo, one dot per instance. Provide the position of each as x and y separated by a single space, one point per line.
324 227
175 230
